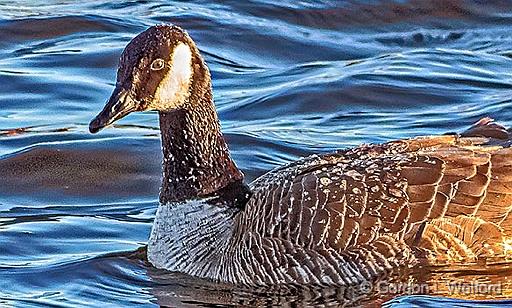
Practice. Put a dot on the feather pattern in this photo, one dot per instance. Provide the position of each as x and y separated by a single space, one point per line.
356 214
338 218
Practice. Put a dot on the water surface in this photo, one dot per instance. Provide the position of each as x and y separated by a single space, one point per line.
290 78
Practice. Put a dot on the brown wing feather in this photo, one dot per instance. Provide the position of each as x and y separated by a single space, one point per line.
497 205
378 196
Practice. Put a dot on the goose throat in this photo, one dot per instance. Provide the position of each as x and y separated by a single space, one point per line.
196 159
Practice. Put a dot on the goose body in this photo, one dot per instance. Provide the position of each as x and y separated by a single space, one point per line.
332 219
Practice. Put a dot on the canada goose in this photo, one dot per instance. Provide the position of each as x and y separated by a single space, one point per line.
337 219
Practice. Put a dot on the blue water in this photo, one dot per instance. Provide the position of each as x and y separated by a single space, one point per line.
290 78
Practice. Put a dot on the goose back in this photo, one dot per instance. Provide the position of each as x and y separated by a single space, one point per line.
355 214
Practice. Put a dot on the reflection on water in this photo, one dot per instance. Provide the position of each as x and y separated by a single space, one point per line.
290 78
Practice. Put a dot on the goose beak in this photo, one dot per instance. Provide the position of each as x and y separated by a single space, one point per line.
119 105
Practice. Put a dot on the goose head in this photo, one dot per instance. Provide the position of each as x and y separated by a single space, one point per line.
156 72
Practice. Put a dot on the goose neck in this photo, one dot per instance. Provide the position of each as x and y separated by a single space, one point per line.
196 159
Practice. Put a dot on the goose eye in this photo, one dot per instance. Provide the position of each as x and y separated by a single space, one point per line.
157 64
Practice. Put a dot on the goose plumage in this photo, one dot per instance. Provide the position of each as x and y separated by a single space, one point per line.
332 219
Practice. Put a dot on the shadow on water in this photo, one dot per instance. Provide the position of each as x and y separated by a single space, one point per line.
290 79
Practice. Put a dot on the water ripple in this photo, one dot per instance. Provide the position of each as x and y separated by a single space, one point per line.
290 78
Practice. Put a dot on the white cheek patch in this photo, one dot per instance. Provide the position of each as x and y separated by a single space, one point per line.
174 87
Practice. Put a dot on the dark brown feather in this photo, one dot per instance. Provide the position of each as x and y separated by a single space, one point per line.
357 197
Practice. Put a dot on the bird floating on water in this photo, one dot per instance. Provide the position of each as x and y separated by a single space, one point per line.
331 219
